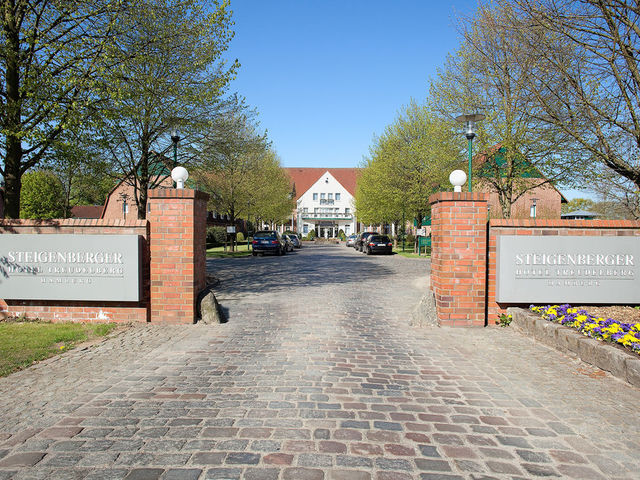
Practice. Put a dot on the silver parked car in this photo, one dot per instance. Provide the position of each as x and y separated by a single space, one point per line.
351 240
295 240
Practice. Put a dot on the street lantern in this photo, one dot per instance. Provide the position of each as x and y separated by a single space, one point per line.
175 138
533 211
469 121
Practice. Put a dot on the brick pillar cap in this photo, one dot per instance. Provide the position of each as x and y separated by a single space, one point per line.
458 197
178 193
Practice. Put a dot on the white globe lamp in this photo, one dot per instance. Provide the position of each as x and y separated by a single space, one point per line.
457 179
179 175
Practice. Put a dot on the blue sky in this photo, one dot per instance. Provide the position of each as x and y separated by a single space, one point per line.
326 75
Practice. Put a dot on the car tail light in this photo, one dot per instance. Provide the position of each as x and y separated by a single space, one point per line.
389 244
372 244
254 242
274 241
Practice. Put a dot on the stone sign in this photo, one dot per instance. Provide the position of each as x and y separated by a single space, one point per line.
567 269
70 267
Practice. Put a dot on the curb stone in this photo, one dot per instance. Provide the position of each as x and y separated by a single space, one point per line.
611 358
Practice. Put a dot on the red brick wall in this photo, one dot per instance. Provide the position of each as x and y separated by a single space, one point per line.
548 202
532 227
178 254
113 204
458 258
57 311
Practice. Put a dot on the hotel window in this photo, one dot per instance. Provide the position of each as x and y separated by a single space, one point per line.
329 196
337 197
322 196
347 211
347 229
315 196
305 228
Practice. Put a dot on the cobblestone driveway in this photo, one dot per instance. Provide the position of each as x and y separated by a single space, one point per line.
317 375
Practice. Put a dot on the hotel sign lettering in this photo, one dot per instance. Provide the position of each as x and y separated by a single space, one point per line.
568 269
70 267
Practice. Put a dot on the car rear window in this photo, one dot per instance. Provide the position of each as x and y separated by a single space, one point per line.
378 238
264 235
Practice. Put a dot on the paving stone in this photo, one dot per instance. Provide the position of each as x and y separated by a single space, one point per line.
433 465
261 474
144 474
302 474
22 459
182 474
223 474
207 458
324 378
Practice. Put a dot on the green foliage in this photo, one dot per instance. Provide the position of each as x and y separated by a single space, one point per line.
240 237
504 320
578 204
342 236
170 74
49 64
216 236
410 238
312 234
42 196
410 161
488 74
240 171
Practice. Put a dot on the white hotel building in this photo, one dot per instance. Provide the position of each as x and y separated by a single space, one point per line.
324 200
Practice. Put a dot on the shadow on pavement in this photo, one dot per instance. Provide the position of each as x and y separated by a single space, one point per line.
309 266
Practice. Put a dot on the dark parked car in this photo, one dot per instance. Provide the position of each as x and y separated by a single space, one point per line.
288 242
295 239
268 241
361 239
378 244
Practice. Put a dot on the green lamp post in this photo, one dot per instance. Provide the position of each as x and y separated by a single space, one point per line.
469 121
175 138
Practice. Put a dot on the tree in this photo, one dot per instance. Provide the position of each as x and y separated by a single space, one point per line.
170 75
409 162
50 55
578 204
586 74
86 177
485 76
41 196
240 172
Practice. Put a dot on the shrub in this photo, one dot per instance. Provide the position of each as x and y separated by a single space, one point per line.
42 195
240 237
312 234
341 235
411 238
216 236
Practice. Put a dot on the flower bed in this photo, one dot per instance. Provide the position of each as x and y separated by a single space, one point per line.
609 330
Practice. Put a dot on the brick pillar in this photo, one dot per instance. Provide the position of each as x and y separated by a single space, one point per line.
458 257
177 220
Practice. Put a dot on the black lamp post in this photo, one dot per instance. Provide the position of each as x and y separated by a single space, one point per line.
469 121
175 138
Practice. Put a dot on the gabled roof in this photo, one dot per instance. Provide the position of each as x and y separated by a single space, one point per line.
496 153
304 178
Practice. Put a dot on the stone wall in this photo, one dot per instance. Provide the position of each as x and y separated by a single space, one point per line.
545 228
173 259
78 311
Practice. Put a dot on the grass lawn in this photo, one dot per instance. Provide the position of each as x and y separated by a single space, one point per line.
408 252
218 252
23 343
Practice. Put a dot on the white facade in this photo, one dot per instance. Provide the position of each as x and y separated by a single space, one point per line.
326 207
